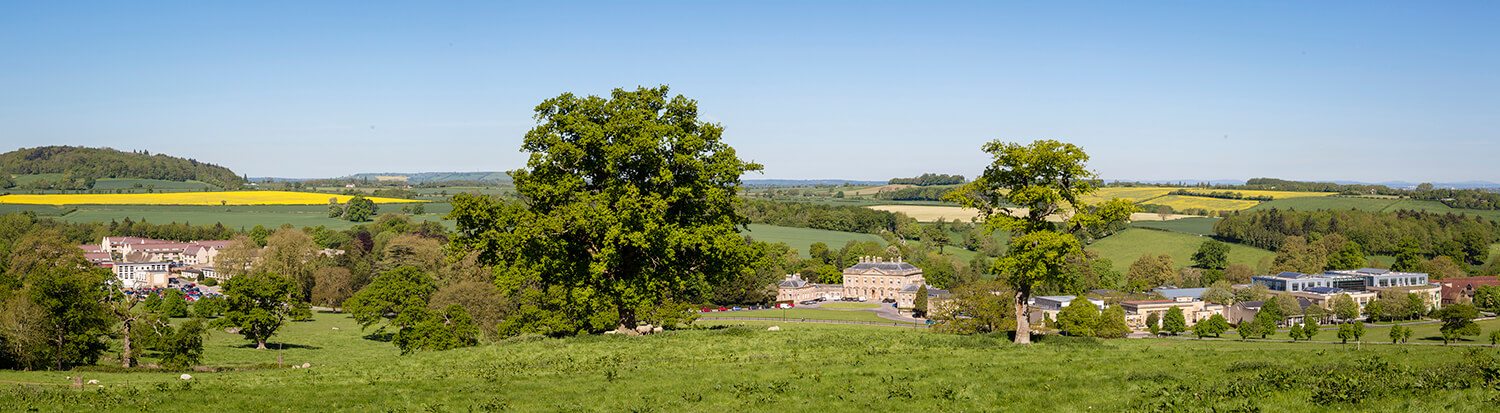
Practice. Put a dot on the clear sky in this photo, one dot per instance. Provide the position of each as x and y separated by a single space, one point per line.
1352 90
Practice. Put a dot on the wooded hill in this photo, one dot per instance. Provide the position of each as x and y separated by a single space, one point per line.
81 166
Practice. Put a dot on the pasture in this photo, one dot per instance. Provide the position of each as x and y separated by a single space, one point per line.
1373 204
1124 247
190 198
1181 202
245 216
733 365
117 183
1194 225
803 238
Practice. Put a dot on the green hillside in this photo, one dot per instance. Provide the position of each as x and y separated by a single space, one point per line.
1125 247
79 168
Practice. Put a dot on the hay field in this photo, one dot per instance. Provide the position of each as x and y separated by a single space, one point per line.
929 213
1272 194
1136 194
189 198
876 189
1180 202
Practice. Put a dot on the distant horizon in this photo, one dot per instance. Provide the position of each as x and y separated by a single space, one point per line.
1368 91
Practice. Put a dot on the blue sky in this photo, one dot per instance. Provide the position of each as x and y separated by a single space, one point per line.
1368 91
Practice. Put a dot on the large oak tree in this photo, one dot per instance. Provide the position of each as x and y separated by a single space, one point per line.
627 208
1045 179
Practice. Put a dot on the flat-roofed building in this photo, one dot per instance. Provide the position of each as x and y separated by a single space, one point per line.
1194 311
142 274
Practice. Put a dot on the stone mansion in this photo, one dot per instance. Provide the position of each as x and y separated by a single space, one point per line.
872 278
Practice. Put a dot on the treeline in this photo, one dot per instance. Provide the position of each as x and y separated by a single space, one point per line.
1460 198
1221 195
929 179
93 232
915 194
80 166
807 215
1456 236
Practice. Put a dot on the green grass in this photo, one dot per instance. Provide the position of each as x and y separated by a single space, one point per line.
1370 205
803 238
270 216
807 313
117 183
1421 333
806 366
40 210
1124 247
1196 226
850 306
26 179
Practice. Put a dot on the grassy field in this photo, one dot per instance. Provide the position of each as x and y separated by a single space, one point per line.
1272 194
803 238
807 313
1196 225
248 216
736 365
850 306
117 183
930 213
190 198
1371 204
1124 247
41 210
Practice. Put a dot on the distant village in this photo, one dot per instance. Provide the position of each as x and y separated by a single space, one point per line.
145 262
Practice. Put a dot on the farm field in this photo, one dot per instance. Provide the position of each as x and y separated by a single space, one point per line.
1124 247
1180 202
803 238
1272 194
1372 205
1194 225
810 314
190 198
117 183
931 213
734 365
245 216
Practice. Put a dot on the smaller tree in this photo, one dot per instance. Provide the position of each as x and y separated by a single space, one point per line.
300 311
1405 334
920 303
257 305
1395 333
1217 324
1346 332
360 209
1247 329
152 303
1458 321
1212 254
1309 329
1487 297
1112 323
335 211
1359 330
1344 307
1495 337
209 307
1174 322
1153 323
436 331
174 305
1295 332
1079 318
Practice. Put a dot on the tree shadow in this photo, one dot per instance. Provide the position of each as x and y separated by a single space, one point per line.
381 336
287 346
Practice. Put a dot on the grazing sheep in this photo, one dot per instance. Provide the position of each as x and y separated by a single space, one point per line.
186 376
774 328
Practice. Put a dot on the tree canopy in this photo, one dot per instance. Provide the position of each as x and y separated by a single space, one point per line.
627 207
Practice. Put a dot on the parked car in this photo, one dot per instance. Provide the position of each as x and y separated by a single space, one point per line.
809 302
738 309
784 305
723 309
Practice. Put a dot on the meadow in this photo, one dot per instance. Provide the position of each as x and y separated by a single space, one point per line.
244 216
733 365
803 238
806 313
190 198
1373 204
1124 247
1194 225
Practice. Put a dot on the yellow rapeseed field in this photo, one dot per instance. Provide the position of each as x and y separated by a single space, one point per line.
190 198
1136 194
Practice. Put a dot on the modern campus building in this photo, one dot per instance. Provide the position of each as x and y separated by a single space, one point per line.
142 274
1363 285
142 262
1194 310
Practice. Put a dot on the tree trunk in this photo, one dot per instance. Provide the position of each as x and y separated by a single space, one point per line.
627 317
125 342
1023 325
260 344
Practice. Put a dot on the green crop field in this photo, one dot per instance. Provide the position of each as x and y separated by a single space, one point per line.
40 210
1371 205
114 183
803 238
733 365
247 216
1124 247
1198 226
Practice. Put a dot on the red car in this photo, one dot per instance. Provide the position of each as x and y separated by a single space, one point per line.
723 309
707 310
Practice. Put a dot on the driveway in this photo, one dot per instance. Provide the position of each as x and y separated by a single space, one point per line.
885 311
